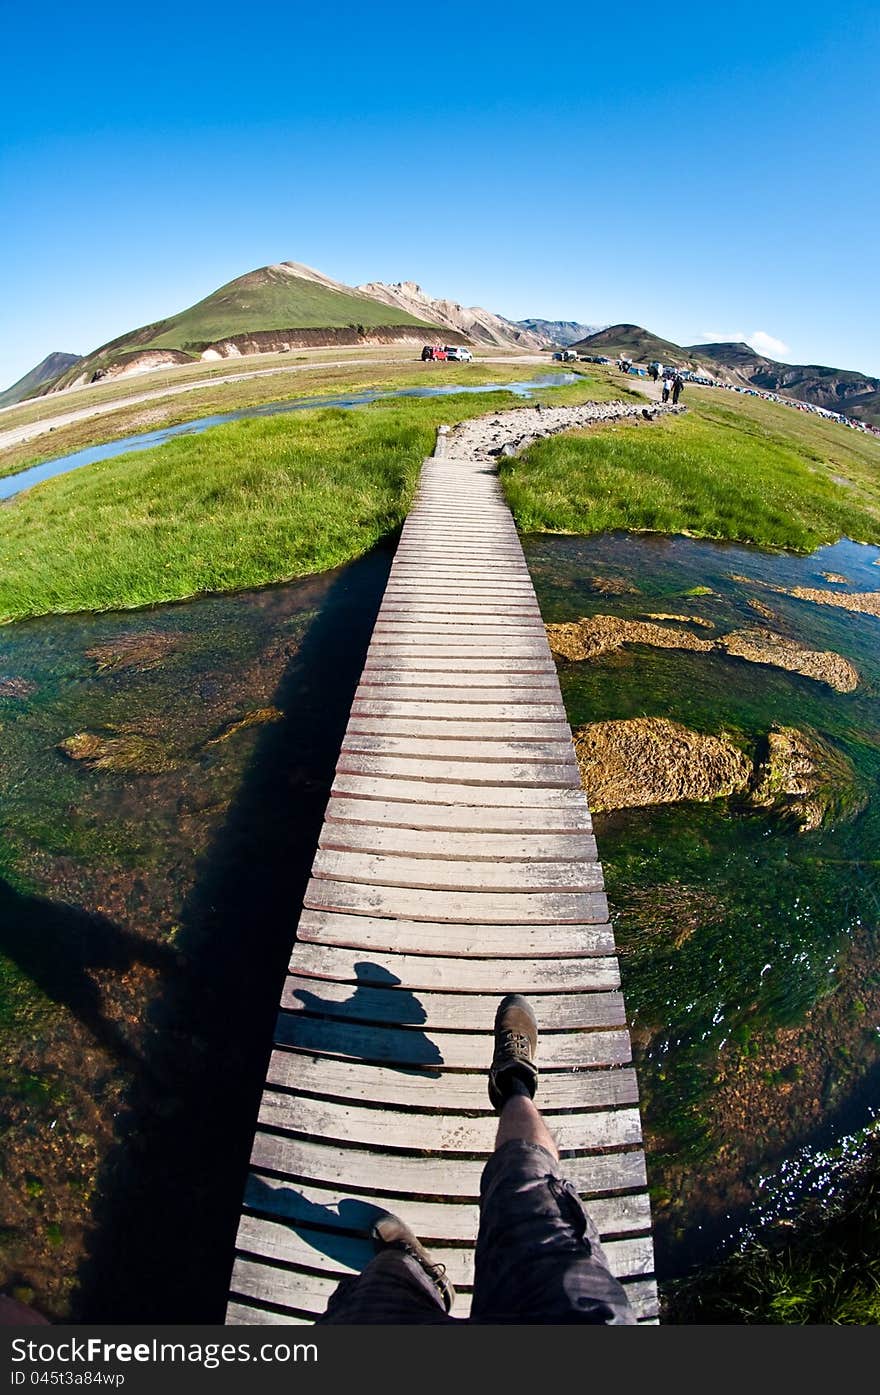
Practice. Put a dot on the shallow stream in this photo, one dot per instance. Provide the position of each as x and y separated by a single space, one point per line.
163 775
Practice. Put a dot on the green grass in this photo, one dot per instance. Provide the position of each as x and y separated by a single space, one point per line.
740 469
238 506
278 387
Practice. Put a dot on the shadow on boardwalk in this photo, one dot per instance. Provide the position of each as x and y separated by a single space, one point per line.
376 1004
169 1194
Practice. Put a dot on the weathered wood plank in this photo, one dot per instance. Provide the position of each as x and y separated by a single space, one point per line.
362 1170
451 1134
461 907
433 1222
478 847
468 730
355 931
416 1046
455 874
573 817
563 774
378 1002
508 712
602 1088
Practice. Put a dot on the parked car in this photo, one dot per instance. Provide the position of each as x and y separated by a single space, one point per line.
459 353
566 355
433 351
602 359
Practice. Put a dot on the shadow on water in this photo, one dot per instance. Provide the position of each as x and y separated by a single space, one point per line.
170 1191
58 947
376 1004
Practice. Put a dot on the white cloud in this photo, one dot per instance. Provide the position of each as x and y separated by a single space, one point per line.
764 343
759 340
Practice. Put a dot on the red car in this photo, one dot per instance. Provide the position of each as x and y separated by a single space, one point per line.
433 351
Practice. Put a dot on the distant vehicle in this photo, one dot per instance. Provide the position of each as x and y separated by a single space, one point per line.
602 359
433 351
458 353
566 355
585 358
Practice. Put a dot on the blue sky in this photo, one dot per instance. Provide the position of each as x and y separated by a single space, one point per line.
704 170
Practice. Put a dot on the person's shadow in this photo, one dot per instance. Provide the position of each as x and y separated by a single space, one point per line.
375 1023
340 1231
56 946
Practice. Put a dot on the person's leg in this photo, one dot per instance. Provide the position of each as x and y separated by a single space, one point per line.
401 1285
538 1257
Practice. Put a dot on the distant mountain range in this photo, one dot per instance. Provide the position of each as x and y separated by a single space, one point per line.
557 333
837 389
288 305
52 367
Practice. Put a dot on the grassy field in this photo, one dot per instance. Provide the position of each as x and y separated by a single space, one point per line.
306 382
736 468
238 506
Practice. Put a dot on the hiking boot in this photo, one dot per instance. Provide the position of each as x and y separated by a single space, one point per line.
516 1045
391 1233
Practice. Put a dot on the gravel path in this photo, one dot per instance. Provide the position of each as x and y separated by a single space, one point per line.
510 433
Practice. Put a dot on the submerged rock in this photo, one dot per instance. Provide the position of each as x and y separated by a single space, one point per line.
651 760
647 761
125 751
134 653
761 646
613 586
682 619
835 578
801 775
11 687
602 634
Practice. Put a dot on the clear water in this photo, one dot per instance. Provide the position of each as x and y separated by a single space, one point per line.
748 949
145 440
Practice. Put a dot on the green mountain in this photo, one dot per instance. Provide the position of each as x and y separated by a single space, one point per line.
275 307
52 367
633 341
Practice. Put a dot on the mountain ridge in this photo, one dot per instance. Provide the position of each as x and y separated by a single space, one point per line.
44 373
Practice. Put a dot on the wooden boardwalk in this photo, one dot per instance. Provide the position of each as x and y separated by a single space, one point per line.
456 863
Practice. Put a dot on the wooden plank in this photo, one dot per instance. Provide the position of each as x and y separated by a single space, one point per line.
469 729
450 1134
432 1221
572 817
246 1315
338 1252
480 941
427 677
481 711
408 1046
378 689
445 973
421 792
477 847
367 1001
439 874
462 907
563 774
357 1081
361 1171
495 750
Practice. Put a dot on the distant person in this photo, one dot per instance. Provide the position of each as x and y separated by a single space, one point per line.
653 372
667 386
677 385
538 1257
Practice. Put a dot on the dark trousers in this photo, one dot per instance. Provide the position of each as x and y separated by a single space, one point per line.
538 1258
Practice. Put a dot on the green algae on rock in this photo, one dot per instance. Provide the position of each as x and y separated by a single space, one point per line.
258 717
651 760
602 634
134 652
128 752
808 779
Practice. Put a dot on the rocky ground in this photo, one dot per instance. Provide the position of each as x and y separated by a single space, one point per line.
510 433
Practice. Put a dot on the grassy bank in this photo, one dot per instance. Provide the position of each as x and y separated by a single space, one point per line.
303 382
239 506
740 469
